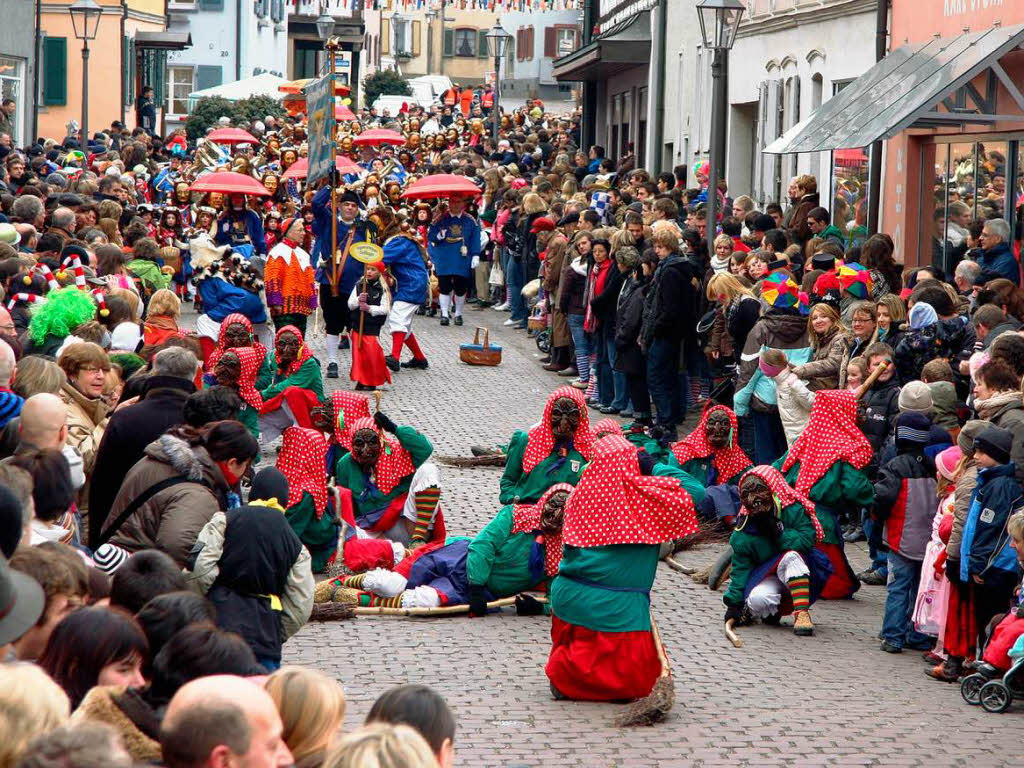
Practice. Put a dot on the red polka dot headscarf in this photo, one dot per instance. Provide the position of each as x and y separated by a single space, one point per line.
302 460
526 519
785 494
729 461
831 435
304 353
227 322
615 504
540 440
348 407
394 461
250 361
607 427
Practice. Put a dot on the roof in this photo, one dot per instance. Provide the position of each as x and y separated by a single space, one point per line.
904 90
622 46
264 84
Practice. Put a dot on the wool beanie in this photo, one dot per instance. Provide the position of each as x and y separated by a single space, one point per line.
969 431
915 396
912 429
269 483
922 315
947 460
996 442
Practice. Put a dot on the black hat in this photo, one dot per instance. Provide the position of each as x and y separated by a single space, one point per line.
348 196
21 603
775 264
823 260
996 442
764 222
11 522
269 483
569 218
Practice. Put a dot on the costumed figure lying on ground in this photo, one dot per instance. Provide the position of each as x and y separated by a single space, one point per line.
603 648
776 569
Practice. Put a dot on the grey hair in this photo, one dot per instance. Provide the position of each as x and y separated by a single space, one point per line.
175 361
27 208
968 270
7 363
63 218
998 228
86 745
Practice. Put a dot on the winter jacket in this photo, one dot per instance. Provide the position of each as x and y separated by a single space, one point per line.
905 500
919 346
87 418
255 571
1011 417
670 312
604 304
999 261
798 229
149 274
963 494
221 298
172 518
833 234
128 433
881 407
794 400
127 712
573 285
629 358
741 316
827 367
985 546
777 329
944 404
756 541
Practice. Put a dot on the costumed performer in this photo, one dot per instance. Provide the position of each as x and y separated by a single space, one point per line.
311 512
236 330
453 244
405 257
236 369
335 418
826 464
371 299
554 450
297 388
776 569
603 648
241 228
219 296
289 279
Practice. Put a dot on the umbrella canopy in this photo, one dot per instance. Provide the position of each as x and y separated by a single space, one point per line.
377 136
231 136
228 183
341 112
300 168
441 185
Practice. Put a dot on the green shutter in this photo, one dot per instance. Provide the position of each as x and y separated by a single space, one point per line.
449 43
159 76
126 69
55 71
481 44
131 72
208 77
211 5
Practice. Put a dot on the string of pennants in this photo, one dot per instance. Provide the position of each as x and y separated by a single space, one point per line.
524 6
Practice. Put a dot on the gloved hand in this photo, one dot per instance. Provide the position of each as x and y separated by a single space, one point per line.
528 606
384 422
647 462
953 570
734 612
477 601
474 262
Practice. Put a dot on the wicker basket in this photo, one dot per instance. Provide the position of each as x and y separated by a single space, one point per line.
480 354
537 323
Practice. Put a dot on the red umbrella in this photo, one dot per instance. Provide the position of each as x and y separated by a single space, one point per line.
231 136
441 185
377 136
341 112
300 168
228 183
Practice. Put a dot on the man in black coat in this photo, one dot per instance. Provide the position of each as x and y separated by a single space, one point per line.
160 407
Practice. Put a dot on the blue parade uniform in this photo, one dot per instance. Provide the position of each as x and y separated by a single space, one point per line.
403 257
353 270
446 238
251 227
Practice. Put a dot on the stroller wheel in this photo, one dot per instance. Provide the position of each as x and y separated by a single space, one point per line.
995 697
543 341
970 688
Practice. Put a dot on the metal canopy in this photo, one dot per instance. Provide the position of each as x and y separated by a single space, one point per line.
168 41
905 88
624 45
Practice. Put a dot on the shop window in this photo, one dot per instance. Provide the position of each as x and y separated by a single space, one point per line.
180 82
850 193
12 73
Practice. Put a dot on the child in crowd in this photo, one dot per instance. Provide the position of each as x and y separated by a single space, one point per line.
794 398
369 302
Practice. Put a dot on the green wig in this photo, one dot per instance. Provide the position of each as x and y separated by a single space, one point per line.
129 362
62 312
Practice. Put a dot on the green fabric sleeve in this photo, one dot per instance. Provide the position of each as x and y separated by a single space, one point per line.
483 548
798 530
513 467
415 443
307 377
741 567
690 484
856 488
265 375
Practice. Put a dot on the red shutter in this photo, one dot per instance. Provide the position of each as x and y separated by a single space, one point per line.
549 43
530 33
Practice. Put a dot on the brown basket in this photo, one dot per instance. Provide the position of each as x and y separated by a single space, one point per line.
537 323
480 354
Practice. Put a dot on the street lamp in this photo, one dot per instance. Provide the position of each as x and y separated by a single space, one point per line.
719 22
325 26
85 20
497 44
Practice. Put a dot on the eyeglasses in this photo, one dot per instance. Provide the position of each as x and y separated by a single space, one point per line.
861 320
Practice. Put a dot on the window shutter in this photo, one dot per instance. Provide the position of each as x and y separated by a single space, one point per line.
449 43
126 69
417 33
211 5
160 62
208 76
55 71
385 36
530 36
550 44
481 44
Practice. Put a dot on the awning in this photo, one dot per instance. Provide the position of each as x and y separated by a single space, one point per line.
165 41
623 46
912 87
264 84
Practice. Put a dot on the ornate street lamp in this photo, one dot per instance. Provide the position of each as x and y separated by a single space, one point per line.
325 26
85 20
497 45
719 22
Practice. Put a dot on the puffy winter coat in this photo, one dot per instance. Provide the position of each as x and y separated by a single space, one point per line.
985 547
905 500
777 329
827 366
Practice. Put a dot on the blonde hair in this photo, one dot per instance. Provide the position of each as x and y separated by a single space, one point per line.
382 745
533 203
897 309
131 297
724 284
1015 525
724 240
822 309
164 302
311 706
666 238
30 704
620 238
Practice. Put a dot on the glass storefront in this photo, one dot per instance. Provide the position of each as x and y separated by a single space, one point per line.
850 169
12 72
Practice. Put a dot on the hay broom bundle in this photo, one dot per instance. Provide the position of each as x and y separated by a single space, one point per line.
653 707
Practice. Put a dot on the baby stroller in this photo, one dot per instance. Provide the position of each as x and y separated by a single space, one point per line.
993 689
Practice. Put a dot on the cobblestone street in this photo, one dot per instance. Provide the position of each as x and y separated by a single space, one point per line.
834 699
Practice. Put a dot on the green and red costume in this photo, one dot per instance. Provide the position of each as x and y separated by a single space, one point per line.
301 460
711 466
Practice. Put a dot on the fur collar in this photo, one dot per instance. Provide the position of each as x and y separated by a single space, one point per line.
180 455
100 705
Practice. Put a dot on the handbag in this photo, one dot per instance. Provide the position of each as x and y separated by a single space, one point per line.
480 354
497 275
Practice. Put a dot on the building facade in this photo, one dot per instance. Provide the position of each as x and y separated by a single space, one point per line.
18 67
537 40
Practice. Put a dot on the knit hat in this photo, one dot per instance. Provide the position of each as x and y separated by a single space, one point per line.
287 224
922 315
969 431
912 428
947 460
109 557
126 336
996 442
915 396
542 224
269 483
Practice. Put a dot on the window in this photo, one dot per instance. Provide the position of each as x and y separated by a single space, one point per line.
180 82
560 41
277 11
12 72
465 43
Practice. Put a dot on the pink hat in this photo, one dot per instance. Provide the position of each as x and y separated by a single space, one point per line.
518 183
946 462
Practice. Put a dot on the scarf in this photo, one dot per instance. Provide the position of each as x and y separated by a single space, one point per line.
302 459
728 461
720 266
831 435
540 440
300 359
615 504
606 427
986 409
595 285
247 378
785 495
234 317
348 407
394 461
526 519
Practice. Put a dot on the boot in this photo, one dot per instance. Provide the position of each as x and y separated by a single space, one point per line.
803 626
948 671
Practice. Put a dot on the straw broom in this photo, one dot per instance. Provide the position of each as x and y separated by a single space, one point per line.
653 707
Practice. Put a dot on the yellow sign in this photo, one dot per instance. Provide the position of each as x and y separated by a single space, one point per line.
367 253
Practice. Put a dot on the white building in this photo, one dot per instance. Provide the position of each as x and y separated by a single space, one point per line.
537 40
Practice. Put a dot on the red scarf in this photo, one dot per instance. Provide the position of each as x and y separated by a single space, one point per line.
786 495
595 286
615 504
831 435
302 357
526 519
302 460
729 461
348 407
540 440
234 317
394 461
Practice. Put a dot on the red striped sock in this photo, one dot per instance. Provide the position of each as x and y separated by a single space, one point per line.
800 590
426 503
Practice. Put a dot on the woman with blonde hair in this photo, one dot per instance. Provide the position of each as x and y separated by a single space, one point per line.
312 707
723 250
891 313
738 311
620 238
381 745
829 349
31 704
162 320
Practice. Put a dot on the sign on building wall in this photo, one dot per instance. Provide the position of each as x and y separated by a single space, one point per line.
343 67
320 102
